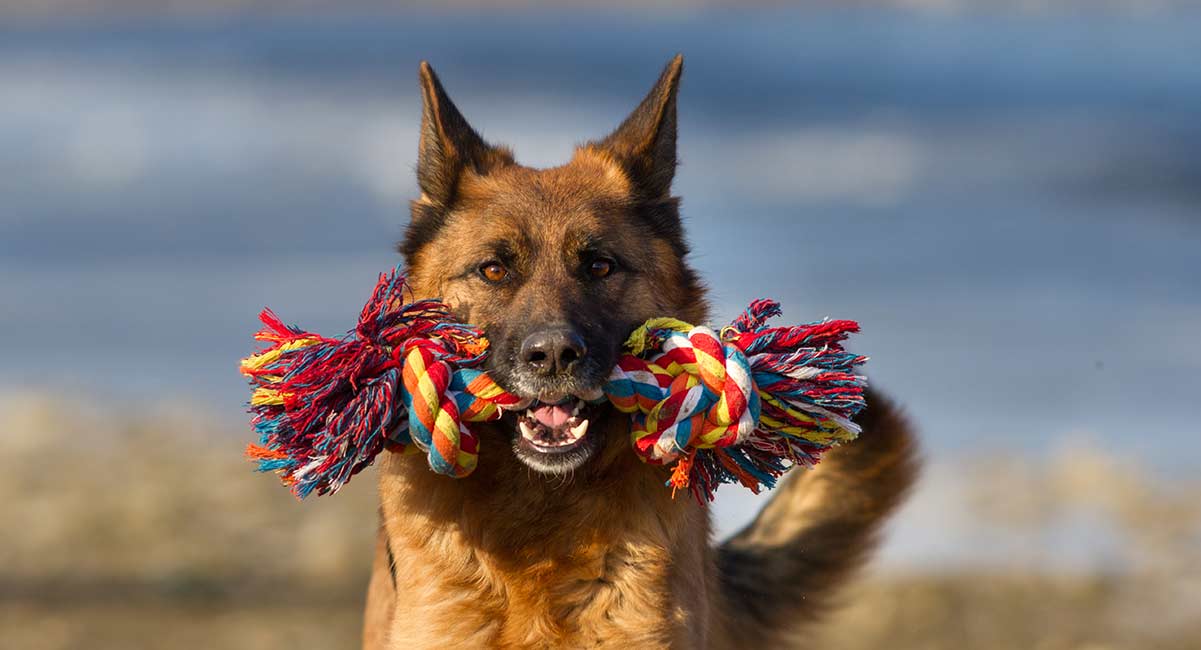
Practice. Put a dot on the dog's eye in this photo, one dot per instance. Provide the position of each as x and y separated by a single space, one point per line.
493 272
601 267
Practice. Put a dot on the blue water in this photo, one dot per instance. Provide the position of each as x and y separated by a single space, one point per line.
1011 206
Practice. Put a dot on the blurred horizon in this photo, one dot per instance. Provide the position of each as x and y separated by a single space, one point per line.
1006 195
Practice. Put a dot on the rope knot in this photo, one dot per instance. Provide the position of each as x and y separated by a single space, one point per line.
696 392
443 392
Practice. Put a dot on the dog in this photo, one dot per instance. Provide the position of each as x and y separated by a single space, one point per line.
562 537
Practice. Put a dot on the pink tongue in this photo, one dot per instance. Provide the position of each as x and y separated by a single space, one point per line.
552 416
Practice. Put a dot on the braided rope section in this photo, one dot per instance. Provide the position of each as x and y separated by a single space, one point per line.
740 406
405 377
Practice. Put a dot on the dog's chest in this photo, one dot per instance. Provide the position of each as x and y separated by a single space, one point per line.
594 593
479 567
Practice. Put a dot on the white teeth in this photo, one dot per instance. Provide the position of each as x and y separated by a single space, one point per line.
578 405
540 436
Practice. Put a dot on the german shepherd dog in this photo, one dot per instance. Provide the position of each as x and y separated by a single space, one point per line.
562 537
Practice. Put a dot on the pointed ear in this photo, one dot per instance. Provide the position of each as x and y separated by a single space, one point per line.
645 143
448 145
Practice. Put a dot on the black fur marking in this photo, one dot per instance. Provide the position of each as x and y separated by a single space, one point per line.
426 221
663 219
391 562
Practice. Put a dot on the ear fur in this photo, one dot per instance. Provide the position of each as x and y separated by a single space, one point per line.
448 145
645 143
448 148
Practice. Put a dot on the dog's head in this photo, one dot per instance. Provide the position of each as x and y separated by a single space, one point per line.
556 265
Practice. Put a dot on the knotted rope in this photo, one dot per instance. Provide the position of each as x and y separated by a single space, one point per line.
739 405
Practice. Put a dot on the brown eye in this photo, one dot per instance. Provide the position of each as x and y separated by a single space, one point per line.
494 272
600 268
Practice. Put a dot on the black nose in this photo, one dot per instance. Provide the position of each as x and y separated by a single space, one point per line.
554 350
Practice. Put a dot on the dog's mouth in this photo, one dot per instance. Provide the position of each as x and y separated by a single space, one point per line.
554 427
551 432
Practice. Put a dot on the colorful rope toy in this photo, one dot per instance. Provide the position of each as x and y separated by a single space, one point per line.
739 405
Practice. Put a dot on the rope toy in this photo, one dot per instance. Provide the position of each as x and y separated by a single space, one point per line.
742 404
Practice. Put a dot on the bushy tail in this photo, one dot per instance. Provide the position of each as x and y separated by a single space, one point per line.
780 573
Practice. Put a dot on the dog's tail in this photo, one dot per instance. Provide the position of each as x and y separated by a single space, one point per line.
781 572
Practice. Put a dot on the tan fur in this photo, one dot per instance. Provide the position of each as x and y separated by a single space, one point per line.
605 556
507 558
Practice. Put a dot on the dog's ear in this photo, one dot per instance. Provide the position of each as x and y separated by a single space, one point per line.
645 143
448 148
448 145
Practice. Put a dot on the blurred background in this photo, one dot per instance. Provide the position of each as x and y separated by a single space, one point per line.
1007 195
